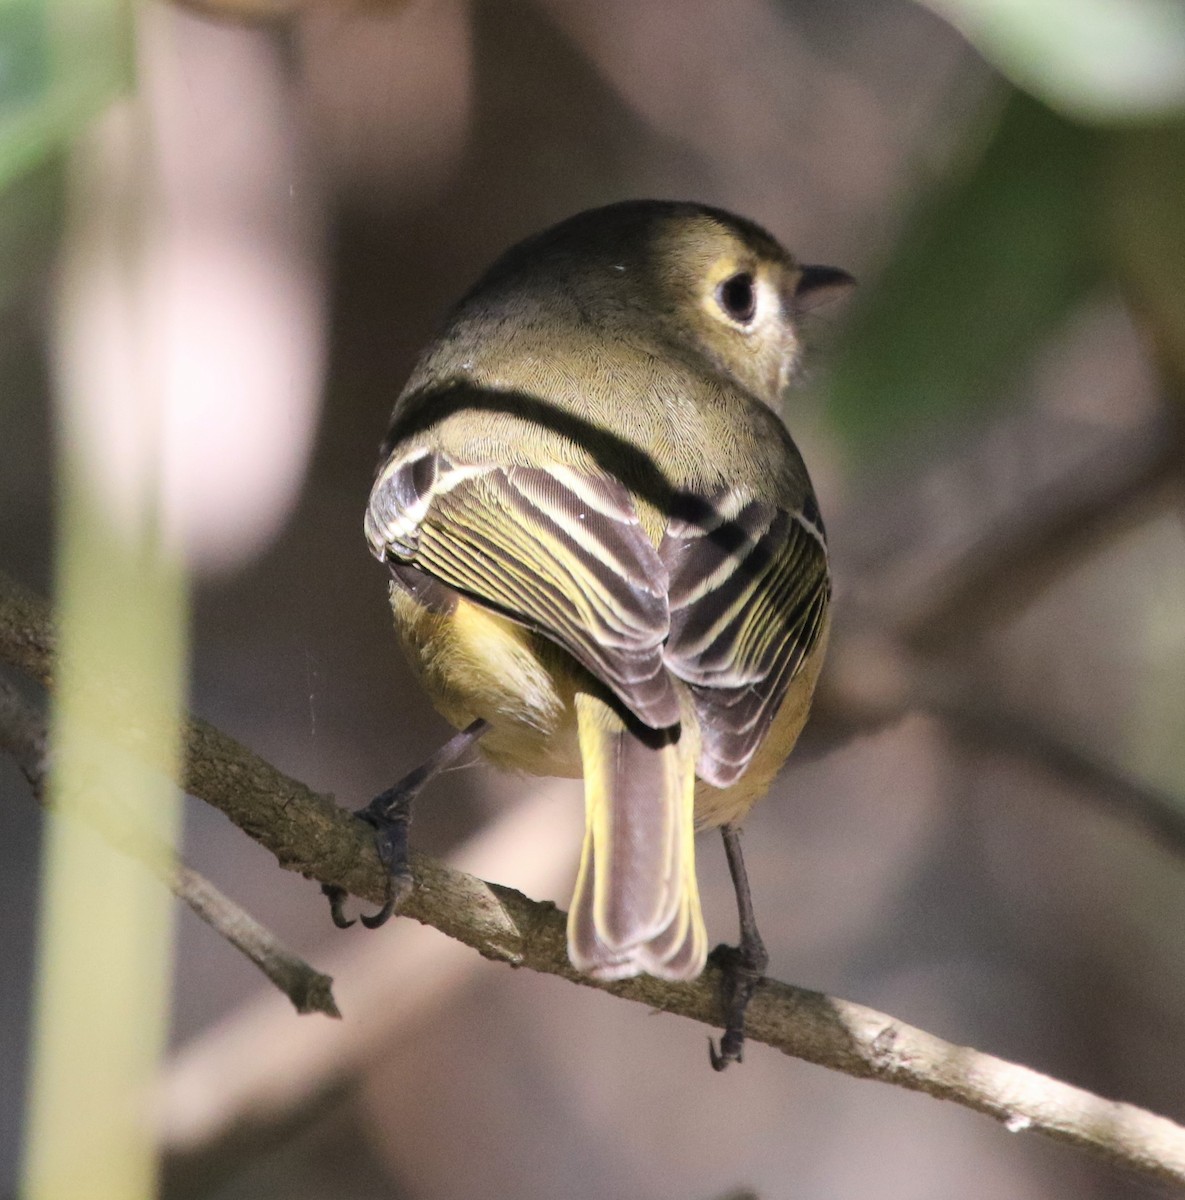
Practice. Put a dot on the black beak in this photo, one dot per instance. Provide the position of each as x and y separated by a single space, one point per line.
819 285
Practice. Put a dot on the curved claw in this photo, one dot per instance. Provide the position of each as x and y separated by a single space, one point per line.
383 915
399 883
391 842
337 898
731 1050
389 815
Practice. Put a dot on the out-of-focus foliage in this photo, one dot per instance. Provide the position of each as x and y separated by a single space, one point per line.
1091 59
990 265
60 62
1145 209
102 984
102 990
985 271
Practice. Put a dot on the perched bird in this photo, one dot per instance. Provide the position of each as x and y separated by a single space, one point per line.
606 557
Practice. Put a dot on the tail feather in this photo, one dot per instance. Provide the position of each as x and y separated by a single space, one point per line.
636 906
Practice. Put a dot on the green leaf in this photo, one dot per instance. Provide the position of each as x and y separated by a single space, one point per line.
984 272
61 61
1095 60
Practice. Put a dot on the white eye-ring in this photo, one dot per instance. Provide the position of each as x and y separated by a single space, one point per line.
737 297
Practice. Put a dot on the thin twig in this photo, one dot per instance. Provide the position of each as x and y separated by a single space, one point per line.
307 832
251 1078
308 989
23 735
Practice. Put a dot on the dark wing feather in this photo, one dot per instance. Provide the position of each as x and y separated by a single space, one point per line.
748 596
558 550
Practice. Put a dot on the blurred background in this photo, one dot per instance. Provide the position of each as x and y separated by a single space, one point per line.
269 207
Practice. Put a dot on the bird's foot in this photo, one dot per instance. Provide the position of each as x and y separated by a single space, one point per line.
742 971
389 813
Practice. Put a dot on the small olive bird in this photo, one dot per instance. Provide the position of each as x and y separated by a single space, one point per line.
607 560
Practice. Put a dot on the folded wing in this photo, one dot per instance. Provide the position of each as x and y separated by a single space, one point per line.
749 589
558 550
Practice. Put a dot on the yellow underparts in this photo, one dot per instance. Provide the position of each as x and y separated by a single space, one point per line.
475 663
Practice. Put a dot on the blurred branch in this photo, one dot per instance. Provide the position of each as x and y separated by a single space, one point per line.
23 735
910 601
970 538
1043 535
1159 813
870 683
307 832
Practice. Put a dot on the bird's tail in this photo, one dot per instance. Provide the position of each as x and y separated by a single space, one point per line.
636 906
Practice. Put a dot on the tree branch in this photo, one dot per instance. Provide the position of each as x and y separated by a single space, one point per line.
23 735
309 833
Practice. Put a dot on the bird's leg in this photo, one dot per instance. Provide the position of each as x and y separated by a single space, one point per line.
390 814
743 965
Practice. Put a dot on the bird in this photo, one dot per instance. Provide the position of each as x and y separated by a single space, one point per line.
606 558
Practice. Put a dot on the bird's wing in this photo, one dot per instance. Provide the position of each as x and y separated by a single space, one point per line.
749 589
558 550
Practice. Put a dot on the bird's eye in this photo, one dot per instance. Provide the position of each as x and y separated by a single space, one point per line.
737 296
